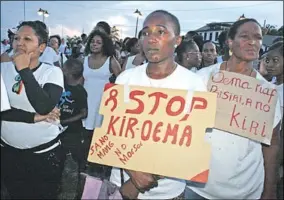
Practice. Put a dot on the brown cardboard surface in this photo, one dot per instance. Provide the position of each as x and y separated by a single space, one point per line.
245 105
157 143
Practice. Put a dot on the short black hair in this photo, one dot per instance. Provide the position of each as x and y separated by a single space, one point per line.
105 26
198 39
222 38
83 35
57 37
74 67
124 43
277 46
75 52
131 43
10 34
192 33
108 47
140 34
171 17
183 47
39 28
234 28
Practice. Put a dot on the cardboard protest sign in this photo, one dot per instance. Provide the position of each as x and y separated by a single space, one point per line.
155 130
245 105
5 104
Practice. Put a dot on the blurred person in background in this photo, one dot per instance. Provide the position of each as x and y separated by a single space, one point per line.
99 65
133 48
188 55
190 35
209 54
224 48
55 43
62 46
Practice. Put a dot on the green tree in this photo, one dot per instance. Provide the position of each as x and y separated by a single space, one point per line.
272 30
114 33
73 40
280 31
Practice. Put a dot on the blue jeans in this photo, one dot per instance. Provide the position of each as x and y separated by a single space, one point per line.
189 194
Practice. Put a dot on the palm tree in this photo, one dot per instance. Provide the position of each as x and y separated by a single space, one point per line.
280 31
114 33
73 40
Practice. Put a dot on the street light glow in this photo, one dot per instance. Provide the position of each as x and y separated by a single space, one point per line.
42 12
46 14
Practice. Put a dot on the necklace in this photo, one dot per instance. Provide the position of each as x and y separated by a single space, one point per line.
149 78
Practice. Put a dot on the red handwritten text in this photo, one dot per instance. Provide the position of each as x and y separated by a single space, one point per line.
148 131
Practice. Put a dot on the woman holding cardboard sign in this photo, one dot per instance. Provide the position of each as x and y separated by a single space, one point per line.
160 36
240 168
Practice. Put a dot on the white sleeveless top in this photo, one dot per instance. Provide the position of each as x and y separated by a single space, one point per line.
95 80
129 64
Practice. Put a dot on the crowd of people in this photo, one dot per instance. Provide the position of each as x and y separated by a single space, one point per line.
55 89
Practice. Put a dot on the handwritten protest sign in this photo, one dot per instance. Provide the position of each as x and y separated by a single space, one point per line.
245 105
155 130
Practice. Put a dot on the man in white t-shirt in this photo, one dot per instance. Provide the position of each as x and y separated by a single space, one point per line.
62 46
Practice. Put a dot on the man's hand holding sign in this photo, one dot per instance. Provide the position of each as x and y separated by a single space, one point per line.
149 129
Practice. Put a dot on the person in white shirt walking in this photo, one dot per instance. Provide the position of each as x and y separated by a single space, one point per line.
62 46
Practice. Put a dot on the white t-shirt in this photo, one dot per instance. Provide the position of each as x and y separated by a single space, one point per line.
236 167
4 47
82 49
219 59
62 48
194 69
49 56
280 95
64 59
181 78
24 135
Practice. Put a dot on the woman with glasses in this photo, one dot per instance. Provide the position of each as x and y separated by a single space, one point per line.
188 55
32 157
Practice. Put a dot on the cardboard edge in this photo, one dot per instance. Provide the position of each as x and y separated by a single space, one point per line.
201 177
108 86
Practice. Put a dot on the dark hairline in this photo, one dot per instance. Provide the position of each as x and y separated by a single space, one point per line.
236 25
172 19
